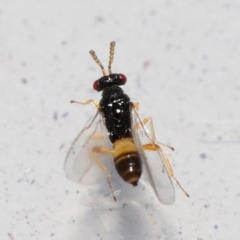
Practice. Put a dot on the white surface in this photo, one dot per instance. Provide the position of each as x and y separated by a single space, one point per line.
182 63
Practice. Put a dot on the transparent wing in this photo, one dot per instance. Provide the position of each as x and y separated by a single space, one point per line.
78 165
154 166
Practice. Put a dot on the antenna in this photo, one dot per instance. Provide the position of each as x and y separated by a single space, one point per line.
111 55
95 58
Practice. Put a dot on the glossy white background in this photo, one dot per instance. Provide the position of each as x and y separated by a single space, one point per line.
182 63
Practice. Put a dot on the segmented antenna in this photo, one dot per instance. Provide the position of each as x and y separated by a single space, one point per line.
95 58
111 55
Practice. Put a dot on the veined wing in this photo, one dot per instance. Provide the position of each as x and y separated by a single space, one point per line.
154 165
78 161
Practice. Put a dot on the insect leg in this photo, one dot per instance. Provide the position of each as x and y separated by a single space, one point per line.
145 121
101 150
99 137
155 147
136 105
152 131
96 104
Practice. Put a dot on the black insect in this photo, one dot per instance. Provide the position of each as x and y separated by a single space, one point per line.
117 131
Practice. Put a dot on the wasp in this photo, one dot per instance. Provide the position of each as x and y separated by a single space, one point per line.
116 132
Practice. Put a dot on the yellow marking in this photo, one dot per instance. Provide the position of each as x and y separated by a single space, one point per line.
131 176
122 146
132 179
124 156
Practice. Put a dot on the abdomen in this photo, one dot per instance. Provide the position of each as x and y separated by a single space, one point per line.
127 160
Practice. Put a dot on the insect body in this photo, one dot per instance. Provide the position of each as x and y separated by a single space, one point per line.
123 133
115 107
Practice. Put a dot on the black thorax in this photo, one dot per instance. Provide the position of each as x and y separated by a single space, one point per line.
115 107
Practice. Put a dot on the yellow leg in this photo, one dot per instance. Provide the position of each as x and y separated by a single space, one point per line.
96 104
150 121
101 150
155 147
136 106
152 132
99 137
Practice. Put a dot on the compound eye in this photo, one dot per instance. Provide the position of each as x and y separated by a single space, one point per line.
96 85
123 78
